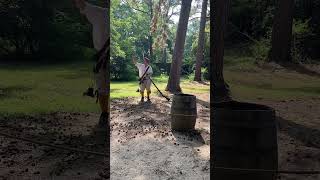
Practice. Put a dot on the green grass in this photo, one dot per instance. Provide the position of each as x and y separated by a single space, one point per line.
128 89
43 89
248 82
51 88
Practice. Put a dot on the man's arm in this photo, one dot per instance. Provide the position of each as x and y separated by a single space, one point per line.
93 13
150 72
81 4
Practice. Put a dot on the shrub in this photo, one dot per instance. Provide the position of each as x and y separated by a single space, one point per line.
205 73
260 49
301 32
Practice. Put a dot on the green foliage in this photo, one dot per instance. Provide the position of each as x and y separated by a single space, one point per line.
252 21
205 73
301 31
260 49
129 37
121 70
130 32
43 30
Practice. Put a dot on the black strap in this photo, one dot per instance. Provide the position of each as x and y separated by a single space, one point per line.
103 49
99 54
142 77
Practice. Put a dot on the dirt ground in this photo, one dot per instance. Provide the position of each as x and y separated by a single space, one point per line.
24 160
298 136
142 144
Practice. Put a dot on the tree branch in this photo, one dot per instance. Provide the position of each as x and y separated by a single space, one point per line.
208 17
137 9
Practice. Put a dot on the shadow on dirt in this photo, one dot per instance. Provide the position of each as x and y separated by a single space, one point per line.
68 130
191 138
308 136
203 103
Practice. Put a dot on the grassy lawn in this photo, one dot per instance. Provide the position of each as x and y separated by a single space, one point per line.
128 89
248 82
51 88
43 89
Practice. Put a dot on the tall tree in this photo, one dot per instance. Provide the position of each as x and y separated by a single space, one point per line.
219 88
200 49
150 5
175 71
282 32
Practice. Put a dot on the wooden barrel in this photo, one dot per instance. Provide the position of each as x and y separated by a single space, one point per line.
183 112
244 136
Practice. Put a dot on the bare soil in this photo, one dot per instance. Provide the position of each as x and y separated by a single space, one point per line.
143 146
298 136
24 160
142 143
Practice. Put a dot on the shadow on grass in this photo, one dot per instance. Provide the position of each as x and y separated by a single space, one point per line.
300 69
307 135
72 76
312 90
268 86
32 65
9 92
204 83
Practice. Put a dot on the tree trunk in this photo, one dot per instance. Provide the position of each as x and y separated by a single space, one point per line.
200 49
219 90
175 71
150 4
164 56
282 33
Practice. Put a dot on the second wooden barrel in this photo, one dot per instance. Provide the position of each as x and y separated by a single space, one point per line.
245 137
183 112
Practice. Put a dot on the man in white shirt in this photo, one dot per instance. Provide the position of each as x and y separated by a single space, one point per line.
98 17
145 72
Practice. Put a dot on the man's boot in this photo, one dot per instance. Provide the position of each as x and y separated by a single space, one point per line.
148 95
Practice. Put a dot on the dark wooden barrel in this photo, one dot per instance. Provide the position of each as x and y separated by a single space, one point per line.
183 112
244 136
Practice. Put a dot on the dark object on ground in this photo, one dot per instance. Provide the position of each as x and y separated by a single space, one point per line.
183 112
89 92
245 136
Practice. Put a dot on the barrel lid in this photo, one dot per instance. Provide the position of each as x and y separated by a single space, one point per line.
240 106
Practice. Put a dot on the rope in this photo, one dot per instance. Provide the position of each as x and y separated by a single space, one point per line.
268 171
52 145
